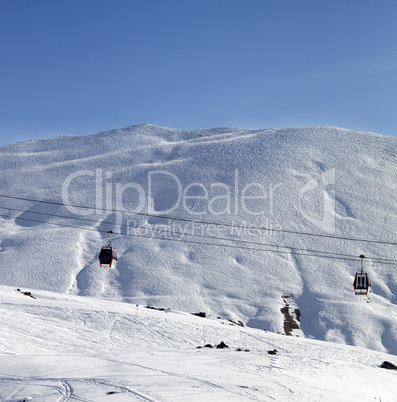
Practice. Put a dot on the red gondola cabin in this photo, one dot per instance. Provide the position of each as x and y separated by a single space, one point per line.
107 257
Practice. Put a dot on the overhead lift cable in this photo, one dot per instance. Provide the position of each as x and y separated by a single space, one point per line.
175 232
259 228
320 255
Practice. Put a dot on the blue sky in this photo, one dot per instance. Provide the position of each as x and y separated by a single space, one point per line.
85 66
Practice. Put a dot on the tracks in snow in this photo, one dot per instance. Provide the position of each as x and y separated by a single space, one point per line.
64 390
80 265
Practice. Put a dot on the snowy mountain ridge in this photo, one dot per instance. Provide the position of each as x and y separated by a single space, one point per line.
336 183
263 230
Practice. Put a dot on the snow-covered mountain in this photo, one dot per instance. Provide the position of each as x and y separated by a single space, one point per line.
221 185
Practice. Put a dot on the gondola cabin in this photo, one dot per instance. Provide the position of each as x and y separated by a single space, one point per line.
361 284
107 257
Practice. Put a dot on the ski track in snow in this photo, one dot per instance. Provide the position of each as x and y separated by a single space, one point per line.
54 386
80 262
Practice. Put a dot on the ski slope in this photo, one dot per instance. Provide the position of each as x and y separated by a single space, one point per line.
57 347
320 180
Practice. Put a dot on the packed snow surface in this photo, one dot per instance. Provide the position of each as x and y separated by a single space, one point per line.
71 348
242 207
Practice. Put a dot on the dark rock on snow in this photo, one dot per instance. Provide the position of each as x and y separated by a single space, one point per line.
201 314
388 365
222 345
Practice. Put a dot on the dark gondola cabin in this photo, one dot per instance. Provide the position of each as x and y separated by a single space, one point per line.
107 257
361 284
